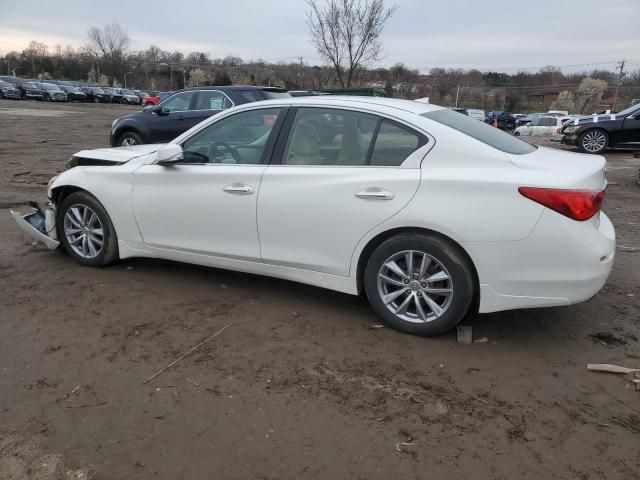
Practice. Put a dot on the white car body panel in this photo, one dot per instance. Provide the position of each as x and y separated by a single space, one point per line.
305 223
194 213
542 131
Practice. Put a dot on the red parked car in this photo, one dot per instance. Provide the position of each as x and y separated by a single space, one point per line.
146 98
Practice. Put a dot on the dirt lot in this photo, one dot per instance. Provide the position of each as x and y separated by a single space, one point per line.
299 387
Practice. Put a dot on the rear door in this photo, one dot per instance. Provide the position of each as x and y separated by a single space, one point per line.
173 120
336 174
206 104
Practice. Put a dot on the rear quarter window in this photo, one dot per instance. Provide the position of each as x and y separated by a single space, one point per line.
481 131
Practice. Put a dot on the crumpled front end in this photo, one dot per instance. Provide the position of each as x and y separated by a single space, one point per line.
39 224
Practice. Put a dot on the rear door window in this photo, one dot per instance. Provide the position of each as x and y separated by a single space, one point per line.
323 136
394 143
212 100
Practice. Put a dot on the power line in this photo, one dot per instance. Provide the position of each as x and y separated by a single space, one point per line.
615 96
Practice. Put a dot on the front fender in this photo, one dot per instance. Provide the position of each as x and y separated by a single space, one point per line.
112 186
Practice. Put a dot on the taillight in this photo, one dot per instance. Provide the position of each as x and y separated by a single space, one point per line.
576 204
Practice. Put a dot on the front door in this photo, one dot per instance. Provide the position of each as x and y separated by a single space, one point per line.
337 175
173 120
207 205
630 132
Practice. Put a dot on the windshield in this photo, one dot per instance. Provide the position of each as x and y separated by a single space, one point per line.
481 131
31 85
48 86
97 90
630 110
128 92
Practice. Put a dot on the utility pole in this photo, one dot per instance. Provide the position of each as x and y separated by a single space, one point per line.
457 95
300 80
620 75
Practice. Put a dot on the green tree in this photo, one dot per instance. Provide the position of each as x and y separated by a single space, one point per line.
197 78
565 101
222 78
589 94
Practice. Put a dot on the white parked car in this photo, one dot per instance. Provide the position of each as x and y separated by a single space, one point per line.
432 214
476 113
546 126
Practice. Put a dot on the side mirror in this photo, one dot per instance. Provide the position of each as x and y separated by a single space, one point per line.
170 154
159 110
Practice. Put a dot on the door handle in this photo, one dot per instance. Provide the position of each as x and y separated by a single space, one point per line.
375 193
239 188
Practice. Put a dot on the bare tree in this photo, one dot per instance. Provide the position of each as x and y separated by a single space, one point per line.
346 33
111 42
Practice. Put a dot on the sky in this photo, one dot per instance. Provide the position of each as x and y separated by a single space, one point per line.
485 34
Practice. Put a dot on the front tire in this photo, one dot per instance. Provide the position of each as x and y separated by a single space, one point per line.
128 139
85 230
593 141
419 283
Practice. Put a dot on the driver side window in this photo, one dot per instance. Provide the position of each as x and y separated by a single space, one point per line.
178 103
238 140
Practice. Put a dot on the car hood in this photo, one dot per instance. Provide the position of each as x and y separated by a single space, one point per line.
595 119
119 154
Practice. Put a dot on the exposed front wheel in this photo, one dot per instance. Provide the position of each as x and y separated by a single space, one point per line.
85 230
593 141
128 139
419 284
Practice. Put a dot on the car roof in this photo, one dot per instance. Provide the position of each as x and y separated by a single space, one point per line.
223 88
378 103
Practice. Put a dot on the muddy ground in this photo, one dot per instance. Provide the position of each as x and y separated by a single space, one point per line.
298 387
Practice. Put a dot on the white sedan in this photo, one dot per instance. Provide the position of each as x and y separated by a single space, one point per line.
432 214
545 126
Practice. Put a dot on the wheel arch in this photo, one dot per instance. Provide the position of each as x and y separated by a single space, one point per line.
373 243
126 129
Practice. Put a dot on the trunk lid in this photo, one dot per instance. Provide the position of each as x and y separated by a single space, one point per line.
560 169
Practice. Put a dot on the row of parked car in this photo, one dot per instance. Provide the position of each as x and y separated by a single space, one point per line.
64 91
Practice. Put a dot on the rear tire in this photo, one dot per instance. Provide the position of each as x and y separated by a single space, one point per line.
129 139
85 230
414 299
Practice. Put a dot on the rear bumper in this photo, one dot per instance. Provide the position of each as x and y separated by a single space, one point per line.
39 225
562 262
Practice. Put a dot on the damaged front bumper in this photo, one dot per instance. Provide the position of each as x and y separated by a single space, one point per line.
39 224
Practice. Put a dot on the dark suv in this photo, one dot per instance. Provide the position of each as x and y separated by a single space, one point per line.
183 110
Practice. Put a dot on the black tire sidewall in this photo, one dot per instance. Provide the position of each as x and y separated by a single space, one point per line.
582 135
133 135
446 253
109 251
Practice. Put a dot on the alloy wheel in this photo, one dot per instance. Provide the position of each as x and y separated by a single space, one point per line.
83 231
594 141
128 142
415 286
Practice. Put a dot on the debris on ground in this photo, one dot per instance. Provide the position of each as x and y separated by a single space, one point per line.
481 340
465 334
373 326
187 353
607 339
399 446
608 368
